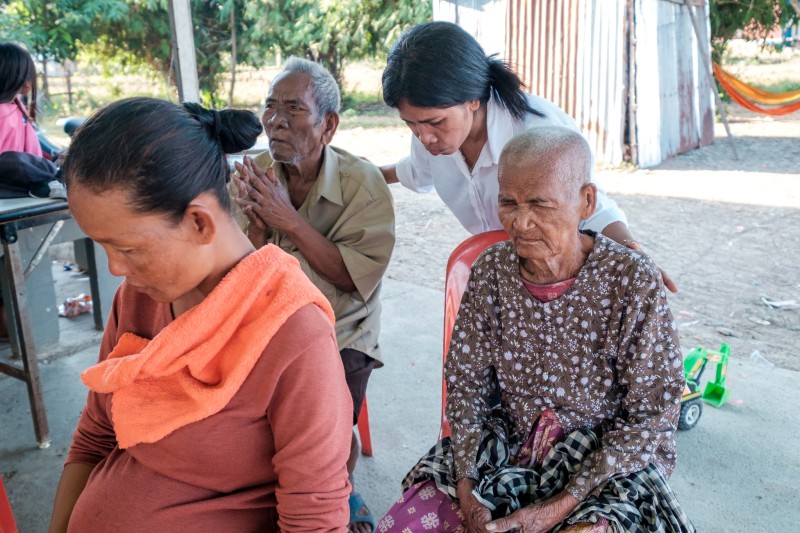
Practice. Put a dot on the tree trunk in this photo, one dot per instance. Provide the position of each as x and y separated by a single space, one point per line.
45 84
233 56
68 71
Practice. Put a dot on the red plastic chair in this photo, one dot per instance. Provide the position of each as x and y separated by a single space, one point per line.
363 430
7 524
456 276
458 269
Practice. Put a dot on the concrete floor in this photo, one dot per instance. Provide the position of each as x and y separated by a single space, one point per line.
738 469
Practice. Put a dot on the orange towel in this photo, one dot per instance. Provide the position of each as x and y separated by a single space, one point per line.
195 365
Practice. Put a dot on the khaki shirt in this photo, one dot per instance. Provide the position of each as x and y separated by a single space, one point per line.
350 204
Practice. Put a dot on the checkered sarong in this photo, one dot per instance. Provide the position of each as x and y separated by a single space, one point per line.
639 502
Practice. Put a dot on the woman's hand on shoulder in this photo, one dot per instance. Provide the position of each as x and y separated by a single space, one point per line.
476 516
537 518
668 283
619 232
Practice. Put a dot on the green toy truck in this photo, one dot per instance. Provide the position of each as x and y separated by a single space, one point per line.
714 393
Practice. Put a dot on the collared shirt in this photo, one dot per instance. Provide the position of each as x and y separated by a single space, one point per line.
472 195
350 204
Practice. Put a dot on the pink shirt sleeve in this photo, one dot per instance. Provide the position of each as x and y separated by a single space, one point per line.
94 437
311 450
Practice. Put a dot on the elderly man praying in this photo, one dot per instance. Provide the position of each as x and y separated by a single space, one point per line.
332 211
573 334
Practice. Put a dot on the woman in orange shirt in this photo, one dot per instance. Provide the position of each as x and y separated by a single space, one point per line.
219 402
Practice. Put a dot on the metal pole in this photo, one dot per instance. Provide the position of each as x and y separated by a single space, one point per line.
704 56
39 254
180 21
633 139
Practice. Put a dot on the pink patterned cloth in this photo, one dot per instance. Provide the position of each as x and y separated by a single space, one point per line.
425 508
548 292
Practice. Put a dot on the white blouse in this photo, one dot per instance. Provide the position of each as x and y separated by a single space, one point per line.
472 196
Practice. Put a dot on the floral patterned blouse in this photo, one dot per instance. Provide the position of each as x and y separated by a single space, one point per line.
604 356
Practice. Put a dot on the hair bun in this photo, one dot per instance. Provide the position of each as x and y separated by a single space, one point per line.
217 123
234 129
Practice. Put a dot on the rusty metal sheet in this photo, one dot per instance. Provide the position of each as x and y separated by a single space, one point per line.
571 52
675 110
628 71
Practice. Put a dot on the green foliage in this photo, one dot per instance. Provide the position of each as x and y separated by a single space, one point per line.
126 34
144 38
55 29
333 31
755 18
364 103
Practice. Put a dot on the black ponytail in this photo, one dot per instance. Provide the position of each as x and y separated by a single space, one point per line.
509 89
438 64
162 154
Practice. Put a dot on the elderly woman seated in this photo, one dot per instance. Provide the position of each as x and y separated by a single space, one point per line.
564 374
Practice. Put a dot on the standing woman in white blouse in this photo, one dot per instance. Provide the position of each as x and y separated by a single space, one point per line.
462 108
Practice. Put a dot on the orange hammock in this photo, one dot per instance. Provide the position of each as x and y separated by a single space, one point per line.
745 95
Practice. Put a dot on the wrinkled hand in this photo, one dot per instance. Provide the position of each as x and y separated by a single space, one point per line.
537 518
263 198
668 283
476 516
256 228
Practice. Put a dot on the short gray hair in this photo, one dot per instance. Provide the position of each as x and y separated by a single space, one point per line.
551 143
323 85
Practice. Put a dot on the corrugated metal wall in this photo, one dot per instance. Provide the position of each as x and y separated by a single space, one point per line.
675 105
576 53
542 46
573 53
602 77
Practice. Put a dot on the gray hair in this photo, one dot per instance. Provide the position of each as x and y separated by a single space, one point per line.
553 144
323 85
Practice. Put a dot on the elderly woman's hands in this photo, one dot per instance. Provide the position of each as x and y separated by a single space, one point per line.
537 518
476 516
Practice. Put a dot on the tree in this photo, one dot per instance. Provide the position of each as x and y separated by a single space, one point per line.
226 32
54 30
756 18
332 32
143 36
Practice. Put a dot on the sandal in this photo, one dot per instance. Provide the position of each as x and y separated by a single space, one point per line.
357 504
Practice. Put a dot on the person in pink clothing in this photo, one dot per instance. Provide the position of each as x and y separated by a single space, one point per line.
17 76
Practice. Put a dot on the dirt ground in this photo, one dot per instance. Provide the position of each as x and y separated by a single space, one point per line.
727 231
